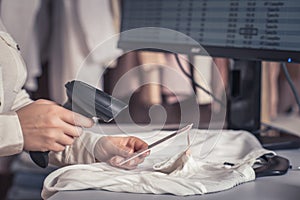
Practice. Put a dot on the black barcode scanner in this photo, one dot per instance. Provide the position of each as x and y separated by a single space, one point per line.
88 101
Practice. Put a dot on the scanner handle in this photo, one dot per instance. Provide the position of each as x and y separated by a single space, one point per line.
85 101
40 158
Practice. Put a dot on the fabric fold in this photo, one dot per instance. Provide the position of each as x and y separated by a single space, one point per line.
189 172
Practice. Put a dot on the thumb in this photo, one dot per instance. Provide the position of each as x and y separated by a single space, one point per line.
122 151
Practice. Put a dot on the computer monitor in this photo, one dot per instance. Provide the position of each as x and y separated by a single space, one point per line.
248 31
243 29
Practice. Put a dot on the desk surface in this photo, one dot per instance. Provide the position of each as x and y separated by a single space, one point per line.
266 188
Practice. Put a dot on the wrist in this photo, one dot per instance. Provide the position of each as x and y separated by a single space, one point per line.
99 151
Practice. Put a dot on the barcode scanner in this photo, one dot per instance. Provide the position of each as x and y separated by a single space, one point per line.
88 101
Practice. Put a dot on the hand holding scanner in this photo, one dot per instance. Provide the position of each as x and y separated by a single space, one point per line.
88 101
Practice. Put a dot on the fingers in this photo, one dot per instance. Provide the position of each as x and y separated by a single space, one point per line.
56 119
126 146
132 164
137 144
56 140
67 115
122 151
118 149
70 130
56 147
47 140
76 119
65 140
48 126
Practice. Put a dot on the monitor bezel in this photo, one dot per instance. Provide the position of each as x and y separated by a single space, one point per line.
242 53
250 54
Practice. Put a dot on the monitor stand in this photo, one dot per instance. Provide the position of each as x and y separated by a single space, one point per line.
244 105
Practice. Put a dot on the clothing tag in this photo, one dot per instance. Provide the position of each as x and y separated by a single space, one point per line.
186 128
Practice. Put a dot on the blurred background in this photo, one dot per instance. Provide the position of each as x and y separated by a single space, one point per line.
56 36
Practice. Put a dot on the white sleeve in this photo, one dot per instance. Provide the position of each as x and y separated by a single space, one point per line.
80 152
22 99
11 136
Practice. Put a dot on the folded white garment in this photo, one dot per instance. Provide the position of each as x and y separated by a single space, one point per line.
216 160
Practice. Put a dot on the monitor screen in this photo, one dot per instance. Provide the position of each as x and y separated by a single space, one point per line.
243 29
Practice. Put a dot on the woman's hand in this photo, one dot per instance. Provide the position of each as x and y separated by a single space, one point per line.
114 150
47 126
